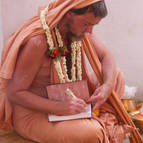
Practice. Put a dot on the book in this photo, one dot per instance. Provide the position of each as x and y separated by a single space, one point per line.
60 92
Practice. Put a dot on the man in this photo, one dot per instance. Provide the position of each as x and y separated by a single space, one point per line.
32 70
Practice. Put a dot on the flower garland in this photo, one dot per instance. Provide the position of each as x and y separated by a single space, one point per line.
76 53
79 71
73 54
60 42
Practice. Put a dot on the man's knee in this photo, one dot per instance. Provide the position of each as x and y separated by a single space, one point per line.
89 134
94 135
89 131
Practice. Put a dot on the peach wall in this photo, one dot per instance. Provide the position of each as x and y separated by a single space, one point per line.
121 32
1 31
16 13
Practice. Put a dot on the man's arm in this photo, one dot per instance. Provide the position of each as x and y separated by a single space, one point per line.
102 93
27 66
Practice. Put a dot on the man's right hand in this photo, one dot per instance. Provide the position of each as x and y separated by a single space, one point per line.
73 106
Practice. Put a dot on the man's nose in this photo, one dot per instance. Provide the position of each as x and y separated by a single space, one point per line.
89 29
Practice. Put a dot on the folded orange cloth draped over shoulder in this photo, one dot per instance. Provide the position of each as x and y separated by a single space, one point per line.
39 128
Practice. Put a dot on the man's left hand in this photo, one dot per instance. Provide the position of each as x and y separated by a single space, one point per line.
100 95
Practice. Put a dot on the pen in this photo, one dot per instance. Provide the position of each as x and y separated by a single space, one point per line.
71 93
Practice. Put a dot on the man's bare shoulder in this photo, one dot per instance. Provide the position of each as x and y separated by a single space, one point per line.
96 41
93 38
37 43
99 47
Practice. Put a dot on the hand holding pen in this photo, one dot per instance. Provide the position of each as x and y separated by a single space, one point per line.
75 104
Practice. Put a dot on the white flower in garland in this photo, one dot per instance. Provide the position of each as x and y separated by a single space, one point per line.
79 71
46 28
60 42
73 54
59 69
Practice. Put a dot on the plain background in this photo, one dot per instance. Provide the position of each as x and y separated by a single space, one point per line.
121 31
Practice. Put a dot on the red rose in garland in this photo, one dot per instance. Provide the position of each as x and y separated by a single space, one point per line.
65 53
52 56
55 52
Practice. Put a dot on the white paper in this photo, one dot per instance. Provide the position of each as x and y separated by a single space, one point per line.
86 114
